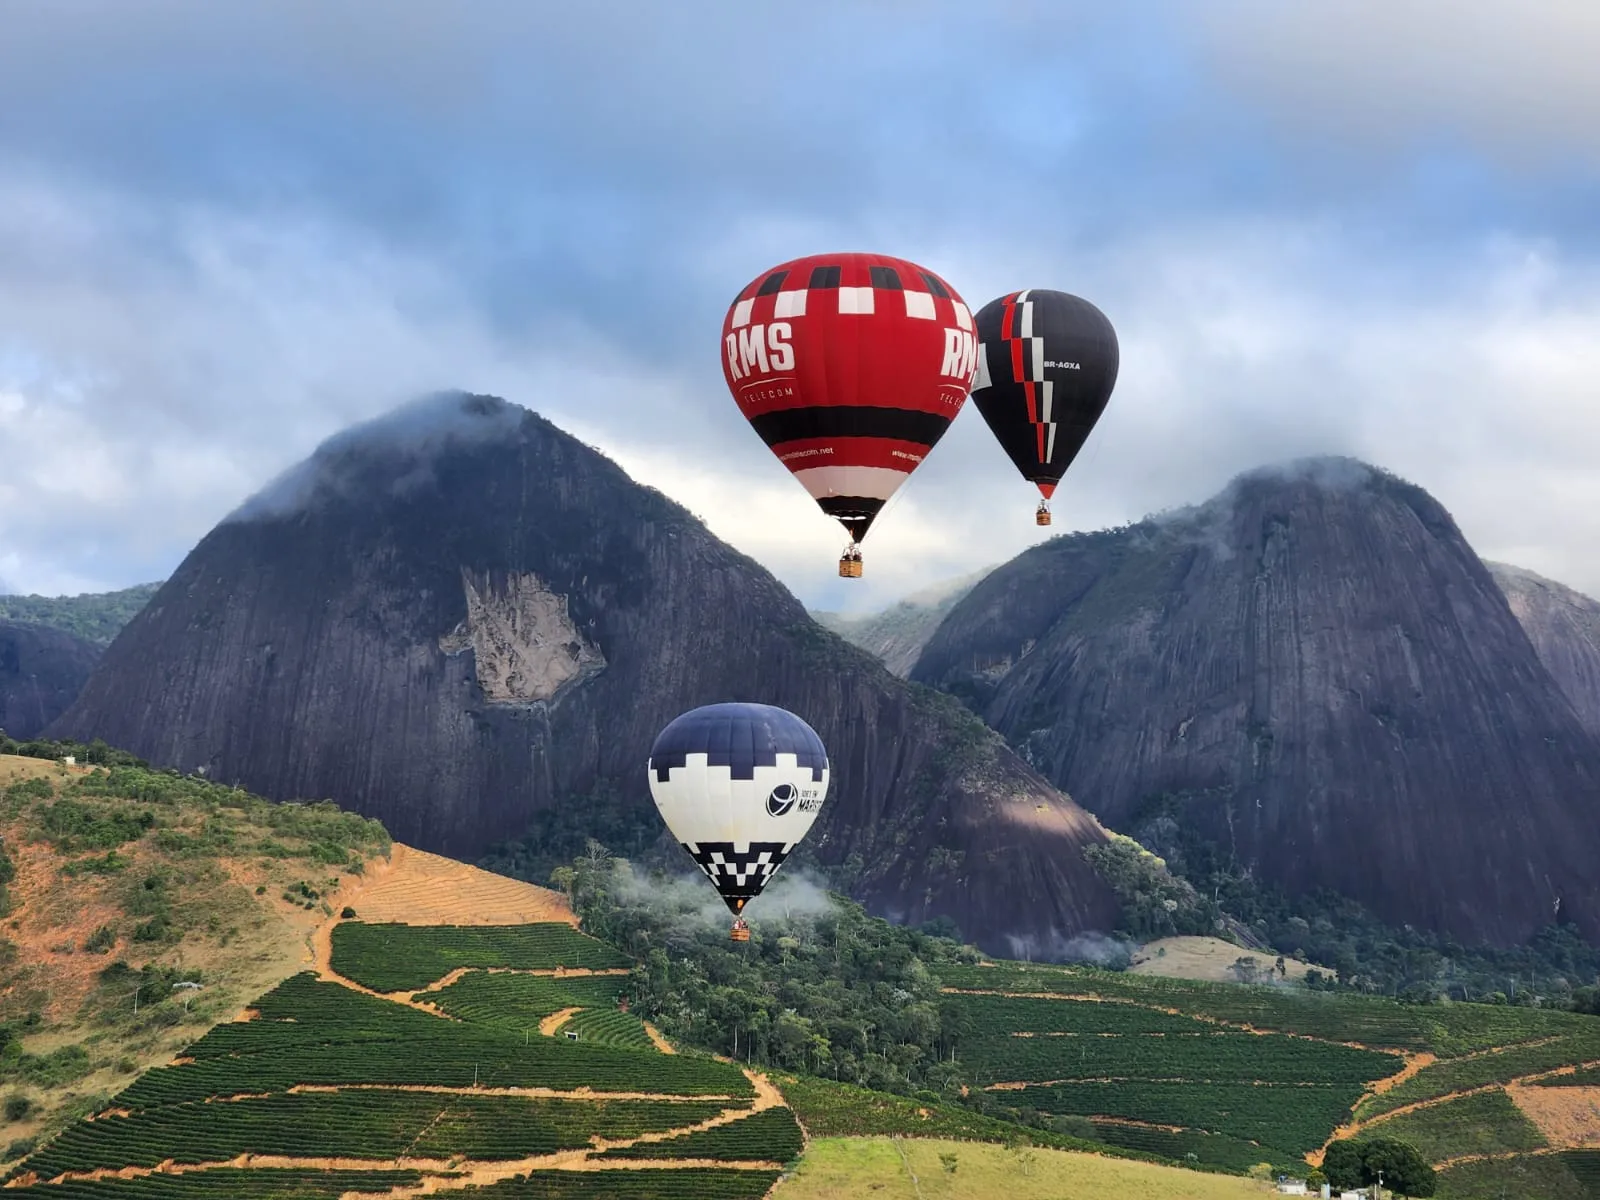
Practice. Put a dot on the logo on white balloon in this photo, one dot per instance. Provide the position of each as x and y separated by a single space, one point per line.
781 799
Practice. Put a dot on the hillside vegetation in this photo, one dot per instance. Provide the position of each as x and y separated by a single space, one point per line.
413 1031
94 617
138 907
477 1070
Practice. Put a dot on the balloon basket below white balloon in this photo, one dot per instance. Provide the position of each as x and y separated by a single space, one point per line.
740 932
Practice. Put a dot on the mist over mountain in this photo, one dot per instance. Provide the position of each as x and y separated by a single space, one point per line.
463 621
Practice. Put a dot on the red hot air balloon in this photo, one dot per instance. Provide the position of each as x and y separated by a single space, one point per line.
850 367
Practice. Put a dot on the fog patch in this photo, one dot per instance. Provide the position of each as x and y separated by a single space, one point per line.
414 435
1095 948
1210 525
690 900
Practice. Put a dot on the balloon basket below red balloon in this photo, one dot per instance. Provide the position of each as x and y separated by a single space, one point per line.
1041 515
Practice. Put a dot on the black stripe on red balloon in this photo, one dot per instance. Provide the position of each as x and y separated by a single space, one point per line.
834 421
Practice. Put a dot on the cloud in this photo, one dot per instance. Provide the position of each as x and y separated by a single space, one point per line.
1513 82
694 906
296 217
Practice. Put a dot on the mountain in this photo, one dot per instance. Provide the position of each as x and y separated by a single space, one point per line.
41 671
1311 678
96 617
1564 627
897 634
463 621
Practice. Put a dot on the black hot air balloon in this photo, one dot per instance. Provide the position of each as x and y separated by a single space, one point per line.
1047 362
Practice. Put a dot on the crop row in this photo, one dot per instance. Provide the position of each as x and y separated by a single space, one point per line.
1212 1057
1582 1077
657 1183
393 957
522 1001
1500 1066
1212 1149
357 1124
608 1027
227 1184
1482 1123
1585 1167
830 1109
1545 1176
771 1135
1448 1030
988 1015
1293 1119
475 1055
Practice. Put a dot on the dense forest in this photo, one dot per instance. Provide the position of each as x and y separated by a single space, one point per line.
96 618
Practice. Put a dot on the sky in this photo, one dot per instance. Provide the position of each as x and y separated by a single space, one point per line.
229 231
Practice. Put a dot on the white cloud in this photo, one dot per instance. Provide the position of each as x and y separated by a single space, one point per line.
157 366
1516 76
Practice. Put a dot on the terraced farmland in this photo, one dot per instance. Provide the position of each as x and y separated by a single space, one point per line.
522 1001
397 958
229 1184
1234 1075
319 1077
772 1133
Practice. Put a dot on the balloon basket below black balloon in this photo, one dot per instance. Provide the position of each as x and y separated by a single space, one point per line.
850 564
1041 515
740 932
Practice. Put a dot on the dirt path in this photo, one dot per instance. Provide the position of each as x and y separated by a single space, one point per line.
476 1173
656 1039
460 973
549 1026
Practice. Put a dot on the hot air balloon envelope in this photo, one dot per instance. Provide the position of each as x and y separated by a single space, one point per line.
850 367
739 786
1047 364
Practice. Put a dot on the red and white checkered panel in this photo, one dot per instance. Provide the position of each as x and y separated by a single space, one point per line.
850 367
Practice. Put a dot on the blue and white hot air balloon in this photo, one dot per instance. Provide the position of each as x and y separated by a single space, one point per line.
739 785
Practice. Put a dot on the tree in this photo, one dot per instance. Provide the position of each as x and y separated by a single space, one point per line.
1352 1164
1343 1166
1315 1179
1405 1171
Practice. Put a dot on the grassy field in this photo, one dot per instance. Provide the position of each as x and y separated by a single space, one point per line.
916 1169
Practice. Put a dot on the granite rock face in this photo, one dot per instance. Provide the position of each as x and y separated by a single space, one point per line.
41 672
1564 627
1315 673
458 616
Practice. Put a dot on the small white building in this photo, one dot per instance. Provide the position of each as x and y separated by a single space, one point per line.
1291 1187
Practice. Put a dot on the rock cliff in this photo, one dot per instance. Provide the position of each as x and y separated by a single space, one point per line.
1564 627
1315 673
895 636
458 617
41 671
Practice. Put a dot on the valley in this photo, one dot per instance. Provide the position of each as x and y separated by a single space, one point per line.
425 1026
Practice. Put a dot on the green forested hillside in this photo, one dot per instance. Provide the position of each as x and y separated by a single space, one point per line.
95 617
